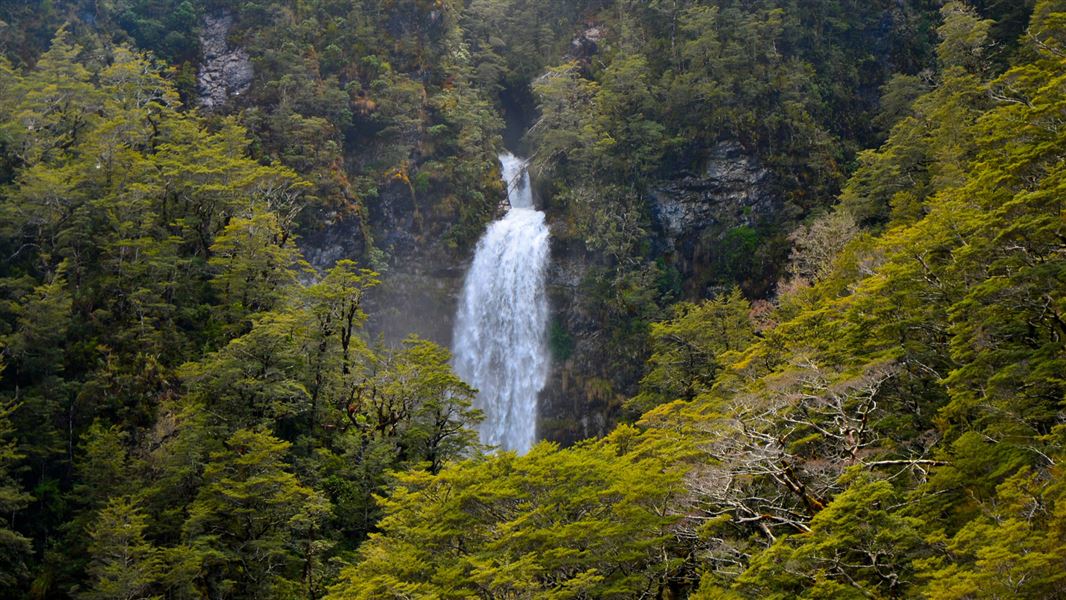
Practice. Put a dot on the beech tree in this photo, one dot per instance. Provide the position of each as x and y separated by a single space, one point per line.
502 526
124 565
14 547
688 350
251 518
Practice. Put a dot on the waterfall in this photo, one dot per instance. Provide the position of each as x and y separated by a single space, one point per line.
499 341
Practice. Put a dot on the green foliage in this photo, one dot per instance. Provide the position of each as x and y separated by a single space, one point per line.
159 320
103 473
364 99
254 379
249 521
504 526
927 149
428 407
166 27
42 320
14 547
790 85
964 37
856 548
255 261
124 564
568 131
960 421
1012 551
738 251
511 41
690 349
189 410
560 341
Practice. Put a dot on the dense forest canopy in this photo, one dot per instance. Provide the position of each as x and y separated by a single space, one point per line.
813 264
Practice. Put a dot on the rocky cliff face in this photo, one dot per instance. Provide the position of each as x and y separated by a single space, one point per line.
420 285
336 237
576 403
225 71
695 212
692 214
732 189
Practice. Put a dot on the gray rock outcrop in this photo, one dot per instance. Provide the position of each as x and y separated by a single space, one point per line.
587 43
732 190
693 214
225 71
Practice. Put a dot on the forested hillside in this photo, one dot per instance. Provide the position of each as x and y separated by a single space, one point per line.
808 320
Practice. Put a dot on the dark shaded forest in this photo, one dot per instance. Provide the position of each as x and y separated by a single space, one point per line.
808 321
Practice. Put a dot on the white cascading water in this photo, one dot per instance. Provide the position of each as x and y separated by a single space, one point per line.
499 342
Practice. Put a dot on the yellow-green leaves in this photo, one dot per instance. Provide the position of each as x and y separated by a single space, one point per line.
250 516
584 522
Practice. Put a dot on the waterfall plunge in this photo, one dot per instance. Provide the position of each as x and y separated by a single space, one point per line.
500 345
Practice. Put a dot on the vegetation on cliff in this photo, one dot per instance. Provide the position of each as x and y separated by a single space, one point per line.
891 428
858 394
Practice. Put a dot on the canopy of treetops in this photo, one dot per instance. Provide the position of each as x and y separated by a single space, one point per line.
189 410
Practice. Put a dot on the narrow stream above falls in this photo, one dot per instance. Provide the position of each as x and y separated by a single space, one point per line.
500 330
